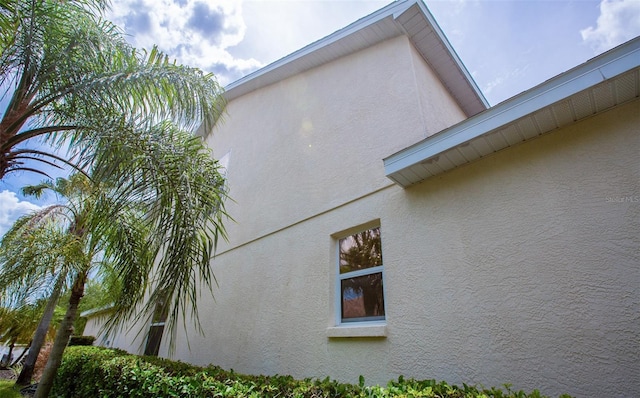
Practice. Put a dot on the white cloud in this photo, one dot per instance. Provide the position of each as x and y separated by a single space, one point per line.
619 21
12 208
197 33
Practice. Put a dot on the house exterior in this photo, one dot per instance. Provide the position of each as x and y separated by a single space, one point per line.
388 222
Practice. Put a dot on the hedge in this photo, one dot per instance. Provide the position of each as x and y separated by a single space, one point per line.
90 372
81 340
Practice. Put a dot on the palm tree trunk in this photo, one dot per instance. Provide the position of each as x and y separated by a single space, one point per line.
41 333
62 338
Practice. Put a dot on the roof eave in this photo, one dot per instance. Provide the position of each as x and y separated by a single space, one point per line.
609 65
463 87
392 20
97 311
239 87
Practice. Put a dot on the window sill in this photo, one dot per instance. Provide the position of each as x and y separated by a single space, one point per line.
377 330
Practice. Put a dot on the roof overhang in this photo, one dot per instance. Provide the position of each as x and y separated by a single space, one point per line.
97 311
603 82
407 17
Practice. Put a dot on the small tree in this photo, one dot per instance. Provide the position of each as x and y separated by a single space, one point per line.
16 326
148 249
127 118
34 255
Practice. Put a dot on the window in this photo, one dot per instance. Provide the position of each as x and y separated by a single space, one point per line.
360 277
156 329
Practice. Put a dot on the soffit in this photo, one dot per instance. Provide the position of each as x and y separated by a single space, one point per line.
425 34
402 17
593 87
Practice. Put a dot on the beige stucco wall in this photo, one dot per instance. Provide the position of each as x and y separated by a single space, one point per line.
525 265
127 338
317 140
522 268
92 328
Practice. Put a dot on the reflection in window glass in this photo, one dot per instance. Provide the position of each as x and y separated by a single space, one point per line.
160 313
360 251
362 297
361 277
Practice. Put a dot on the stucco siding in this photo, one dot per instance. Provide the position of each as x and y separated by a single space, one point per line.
92 328
438 107
520 268
317 140
128 338
527 265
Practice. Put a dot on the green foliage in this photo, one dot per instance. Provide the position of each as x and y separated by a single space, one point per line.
99 293
67 72
81 340
32 255
155 195
8 390
17 324
99 372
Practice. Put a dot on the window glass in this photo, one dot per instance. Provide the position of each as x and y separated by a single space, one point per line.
360 277
160 313
362 297
154 339
360 251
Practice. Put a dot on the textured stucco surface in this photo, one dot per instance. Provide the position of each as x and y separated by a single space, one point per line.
528 264
522 268
131 338
317 140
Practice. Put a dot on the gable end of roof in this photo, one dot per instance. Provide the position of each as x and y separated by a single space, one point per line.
599 84
407 17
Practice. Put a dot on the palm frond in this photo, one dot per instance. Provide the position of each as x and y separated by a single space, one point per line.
69 67
177 194
154 205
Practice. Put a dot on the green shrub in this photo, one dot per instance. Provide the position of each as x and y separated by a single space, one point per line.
173 368
81 340
8 389
88 372
80 368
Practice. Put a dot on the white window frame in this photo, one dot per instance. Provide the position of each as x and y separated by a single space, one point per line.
356 322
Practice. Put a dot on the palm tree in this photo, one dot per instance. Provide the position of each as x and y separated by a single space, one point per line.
99 293
41 332
155 240
126 118
16 326
34 256
70 74
79 192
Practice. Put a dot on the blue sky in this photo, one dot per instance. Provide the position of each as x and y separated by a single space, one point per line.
508 46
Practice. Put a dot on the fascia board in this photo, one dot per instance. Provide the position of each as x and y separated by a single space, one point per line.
390 10
96 311
454 55
615 62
